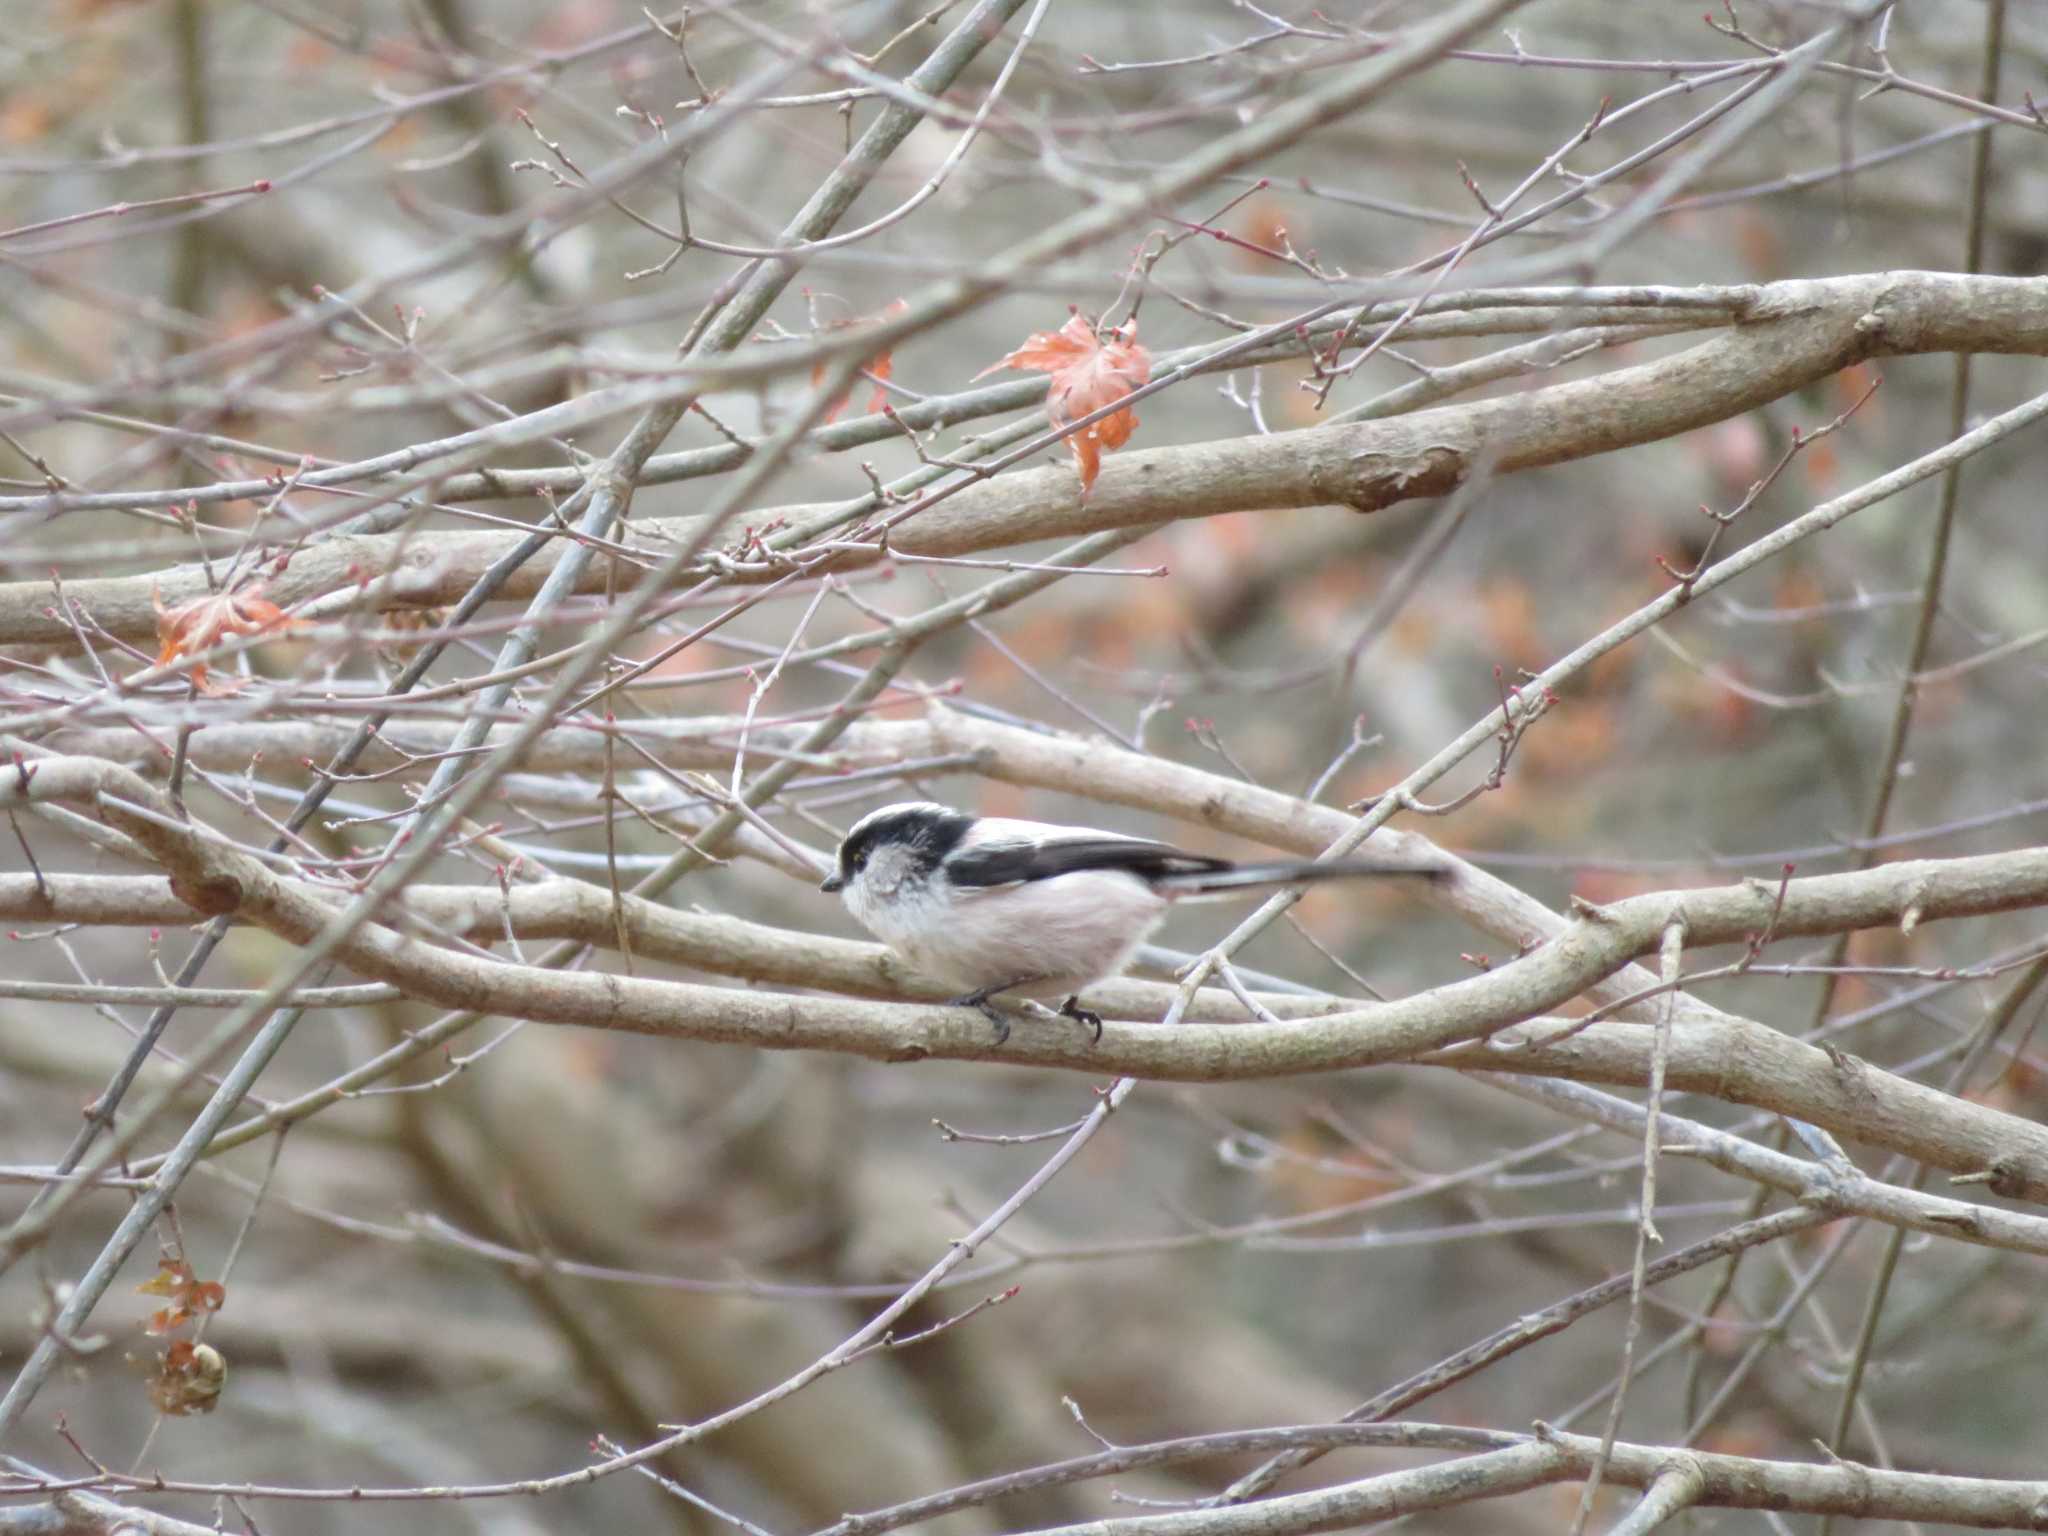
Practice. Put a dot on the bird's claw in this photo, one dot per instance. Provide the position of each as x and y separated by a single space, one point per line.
1070 1009
979 1001
1086 1017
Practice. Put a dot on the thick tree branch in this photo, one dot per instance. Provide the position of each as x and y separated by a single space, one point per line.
572 909
1790 335
1841 1189
1726 1482
1737 1059
1047 760
82 1514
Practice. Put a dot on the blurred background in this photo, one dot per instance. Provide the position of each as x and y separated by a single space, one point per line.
535 1236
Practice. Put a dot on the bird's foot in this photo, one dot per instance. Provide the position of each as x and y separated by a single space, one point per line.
979 1000
1087 1018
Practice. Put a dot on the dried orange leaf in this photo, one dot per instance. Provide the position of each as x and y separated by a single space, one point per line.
188 1379
1090 370
878 367
197 626
190 1296
167 1320
171 1277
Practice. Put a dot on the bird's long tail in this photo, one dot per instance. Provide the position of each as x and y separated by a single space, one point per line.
1236 879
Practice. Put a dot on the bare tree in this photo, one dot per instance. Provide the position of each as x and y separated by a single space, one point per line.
494 491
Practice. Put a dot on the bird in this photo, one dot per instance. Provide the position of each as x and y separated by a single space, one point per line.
996 906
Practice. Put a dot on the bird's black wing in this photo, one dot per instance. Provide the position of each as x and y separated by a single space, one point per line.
1012 863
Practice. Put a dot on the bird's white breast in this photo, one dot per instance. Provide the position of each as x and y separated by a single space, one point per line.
1047 937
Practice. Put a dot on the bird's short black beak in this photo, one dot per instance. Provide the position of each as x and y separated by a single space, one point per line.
831 885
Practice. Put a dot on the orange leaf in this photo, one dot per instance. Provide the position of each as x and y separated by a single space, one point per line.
167 1320
877 367
1090 370
197 626
171 1277
188 1379
880 369
190 1296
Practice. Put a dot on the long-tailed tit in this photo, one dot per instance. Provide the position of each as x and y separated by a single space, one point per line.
992 905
